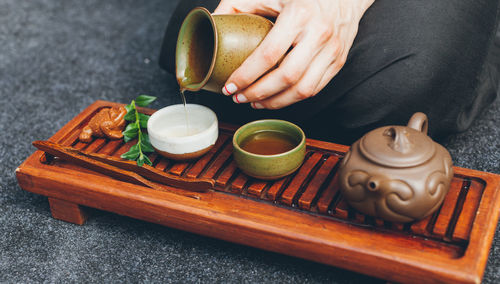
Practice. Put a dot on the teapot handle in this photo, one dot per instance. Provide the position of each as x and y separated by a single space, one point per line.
419 121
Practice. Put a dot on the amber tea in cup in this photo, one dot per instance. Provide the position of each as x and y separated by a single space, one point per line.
269 142
269 149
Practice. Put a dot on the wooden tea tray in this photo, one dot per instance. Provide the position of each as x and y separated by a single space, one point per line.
302 215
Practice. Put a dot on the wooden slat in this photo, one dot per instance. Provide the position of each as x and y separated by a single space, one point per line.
379 222
162 164
152 156
447 208
226 174
238 183
80 145
360 218
72 138
398 226
341 210
314 186
328 195
110 147
256 187
96 145
305 170
178 168
124 148
219 161
420 227
274 190
200 164
468 214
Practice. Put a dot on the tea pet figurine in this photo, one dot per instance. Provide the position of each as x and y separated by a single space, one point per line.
108 122
396 173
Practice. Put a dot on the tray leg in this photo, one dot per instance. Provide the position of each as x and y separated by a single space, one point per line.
67 211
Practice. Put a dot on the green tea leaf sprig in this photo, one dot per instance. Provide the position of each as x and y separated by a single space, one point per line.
133 130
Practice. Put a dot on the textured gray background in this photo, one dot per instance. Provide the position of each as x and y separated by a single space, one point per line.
56 58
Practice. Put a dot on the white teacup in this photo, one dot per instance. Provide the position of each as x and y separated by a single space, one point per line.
177 139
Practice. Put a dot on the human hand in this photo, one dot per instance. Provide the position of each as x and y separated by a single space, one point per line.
319 33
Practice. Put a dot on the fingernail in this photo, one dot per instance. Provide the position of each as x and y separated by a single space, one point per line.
257 106
229 89
239 99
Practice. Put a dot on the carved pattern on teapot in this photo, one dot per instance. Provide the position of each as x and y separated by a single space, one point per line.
400 192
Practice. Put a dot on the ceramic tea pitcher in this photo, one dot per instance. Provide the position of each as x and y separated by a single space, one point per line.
396 173
211 47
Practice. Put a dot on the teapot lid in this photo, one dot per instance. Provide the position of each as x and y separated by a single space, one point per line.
399 146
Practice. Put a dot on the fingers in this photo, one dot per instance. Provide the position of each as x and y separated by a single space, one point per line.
337 65
288 73
321 36
269 8
331 72
318 74
265 56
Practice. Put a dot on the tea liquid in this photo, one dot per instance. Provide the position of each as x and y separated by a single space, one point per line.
201 49
185 112
268 143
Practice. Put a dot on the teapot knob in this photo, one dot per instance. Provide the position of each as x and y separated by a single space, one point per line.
398 139
419 121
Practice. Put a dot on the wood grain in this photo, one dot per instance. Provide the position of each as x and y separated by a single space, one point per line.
451 248
316 183
67 211
122 169
298 180
447 208
467 215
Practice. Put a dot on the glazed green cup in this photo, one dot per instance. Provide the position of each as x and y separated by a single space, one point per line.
269 167
211 47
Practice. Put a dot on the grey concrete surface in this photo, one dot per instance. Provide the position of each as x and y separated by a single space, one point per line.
56 58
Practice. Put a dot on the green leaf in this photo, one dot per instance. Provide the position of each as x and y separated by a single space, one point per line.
140 160
130 116
147 160
129 107
146 144
144 100
143 159
130 135
132 154
143 120
131 130
130 127
127 138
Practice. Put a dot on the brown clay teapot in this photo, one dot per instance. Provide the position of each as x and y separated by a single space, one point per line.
396 173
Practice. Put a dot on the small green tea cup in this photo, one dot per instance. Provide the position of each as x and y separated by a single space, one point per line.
269 167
